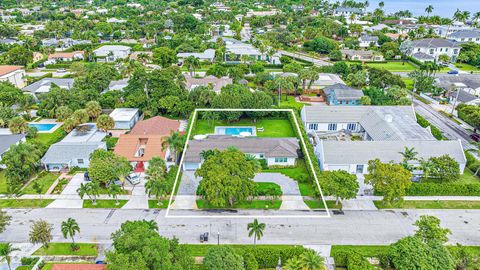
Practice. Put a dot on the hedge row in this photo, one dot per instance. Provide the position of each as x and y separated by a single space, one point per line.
472 163
59 65
445 189
424 123
267 257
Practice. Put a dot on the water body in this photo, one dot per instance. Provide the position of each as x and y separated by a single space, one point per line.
444 8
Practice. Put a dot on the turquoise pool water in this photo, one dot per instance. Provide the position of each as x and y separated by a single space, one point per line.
42 127
233 130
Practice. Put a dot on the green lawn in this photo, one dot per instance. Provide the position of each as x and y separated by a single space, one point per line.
24 203
468 178
276 128
200 250
409 83
152 204
467 67
48 139
86 249
318 204
393 66
431 205
254 204
307 189
3 182
298 173
292 103
104 204
44 180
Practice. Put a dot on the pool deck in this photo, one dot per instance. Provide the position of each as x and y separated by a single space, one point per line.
218 132
48 121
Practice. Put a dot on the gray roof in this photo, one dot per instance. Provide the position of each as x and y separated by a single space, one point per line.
434 43
348 114
389 124
65 152
368 38
449 82
466 34
8 140
343 92
271 147
463 96
65 83
422 56
360 152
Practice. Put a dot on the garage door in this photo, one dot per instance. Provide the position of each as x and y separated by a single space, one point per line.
190 166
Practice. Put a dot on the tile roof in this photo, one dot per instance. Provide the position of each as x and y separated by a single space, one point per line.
4 70
271 147
216 83
64 54
156 125
129 144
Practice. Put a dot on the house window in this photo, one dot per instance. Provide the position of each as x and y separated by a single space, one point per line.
352 126
313 126
281 160
261 156
80 161
446 50
332 126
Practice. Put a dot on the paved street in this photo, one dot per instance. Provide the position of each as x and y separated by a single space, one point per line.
304 57
355 227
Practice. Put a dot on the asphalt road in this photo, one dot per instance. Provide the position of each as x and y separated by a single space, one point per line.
450 129
304 57
354 227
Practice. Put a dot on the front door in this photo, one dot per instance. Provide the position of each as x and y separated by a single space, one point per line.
359 168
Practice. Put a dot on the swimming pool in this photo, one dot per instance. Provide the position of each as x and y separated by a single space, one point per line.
42 126
234 130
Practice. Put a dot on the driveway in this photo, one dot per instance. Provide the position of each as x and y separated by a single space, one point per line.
186 195
139 198
291 198
69 197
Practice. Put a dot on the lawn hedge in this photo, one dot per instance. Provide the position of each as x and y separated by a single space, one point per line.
472 163
267 257
424 123
445 189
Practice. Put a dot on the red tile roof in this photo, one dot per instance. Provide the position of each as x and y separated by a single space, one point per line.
155 126
8 69
78 267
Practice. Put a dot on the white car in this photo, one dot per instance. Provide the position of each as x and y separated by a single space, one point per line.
133 178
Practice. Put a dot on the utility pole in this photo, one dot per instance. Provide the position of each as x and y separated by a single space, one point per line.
218 237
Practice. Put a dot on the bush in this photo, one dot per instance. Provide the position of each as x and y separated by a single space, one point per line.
59 65
424 123
222 257
249 261
267 257
472 163
263 163
355 261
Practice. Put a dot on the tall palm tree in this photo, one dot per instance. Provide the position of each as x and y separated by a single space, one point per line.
174 143
157 188
409 153
476 18
256 229
5 252
192 63
69 229
429 10
381 5
311 261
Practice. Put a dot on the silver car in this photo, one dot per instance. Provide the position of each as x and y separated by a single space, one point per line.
133 178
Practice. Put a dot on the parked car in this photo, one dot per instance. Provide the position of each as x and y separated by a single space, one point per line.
86 177
475 137
133 178
453 72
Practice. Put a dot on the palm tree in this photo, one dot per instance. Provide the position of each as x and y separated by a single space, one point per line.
256 229
157 188
409 153
381 5
105 122
114 191
311 261
293 264
192 63
92 190
69 228
18 125
476 18
174 143
429 10
5 252
93 109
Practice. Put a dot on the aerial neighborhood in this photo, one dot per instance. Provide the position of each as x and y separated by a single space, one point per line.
142 134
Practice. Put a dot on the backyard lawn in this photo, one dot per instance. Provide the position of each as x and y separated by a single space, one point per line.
48 139
431 205
44 180
24 203
86 249
298 173
468 177
276 128
254 204
292 103
392 66
104 204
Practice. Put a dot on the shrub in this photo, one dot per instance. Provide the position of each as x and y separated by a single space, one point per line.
355 261
267 257
444 189
424 123
222 257
249 261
